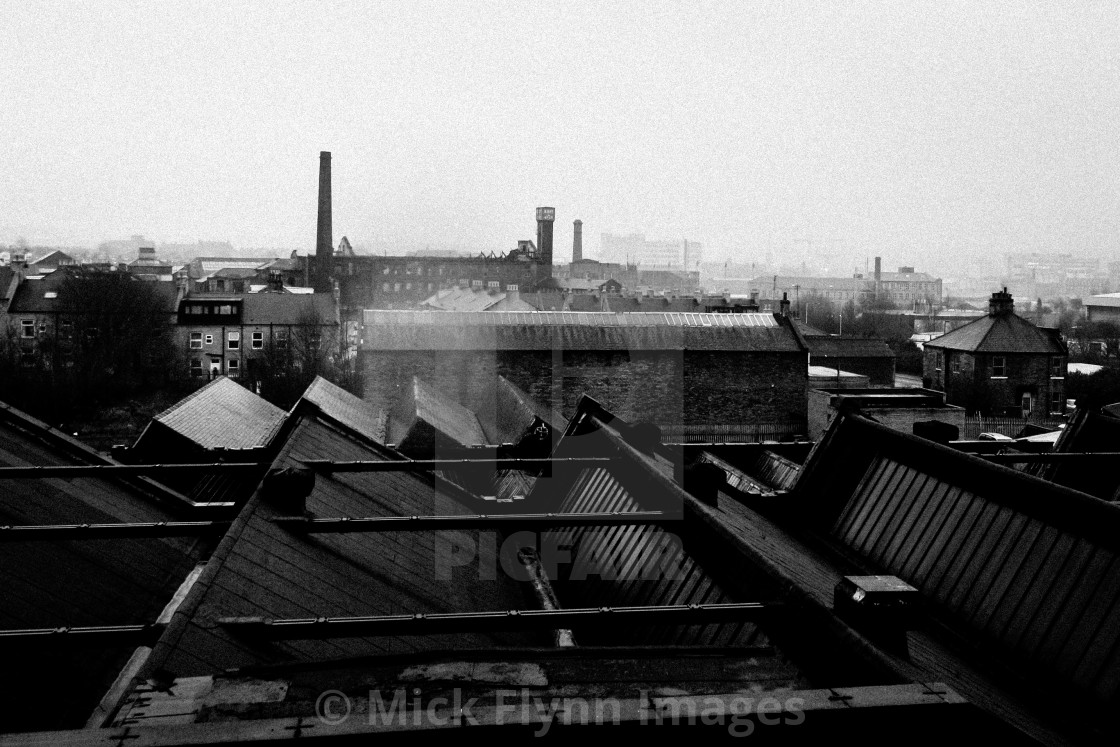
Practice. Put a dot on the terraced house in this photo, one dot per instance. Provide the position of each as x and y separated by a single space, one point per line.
237 335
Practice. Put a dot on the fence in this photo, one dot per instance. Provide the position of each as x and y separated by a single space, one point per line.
975 425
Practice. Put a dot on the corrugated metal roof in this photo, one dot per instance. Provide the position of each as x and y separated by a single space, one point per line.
224 415
1029 568
353 412
1006 333
426 330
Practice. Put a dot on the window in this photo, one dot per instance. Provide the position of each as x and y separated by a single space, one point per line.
956 363
196 342
258 340
1057 403
233 340
196 368
999 367
27 327
408 286
65 330
314 339
493 284
396 287
1057 370
385 287
233 367
225 309
281 339
476 283
385 270
209 339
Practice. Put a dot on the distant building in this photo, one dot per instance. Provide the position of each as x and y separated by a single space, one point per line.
1104 307
898 409
1000 363
905 288
635 248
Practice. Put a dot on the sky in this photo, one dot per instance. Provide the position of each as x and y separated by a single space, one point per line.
938 134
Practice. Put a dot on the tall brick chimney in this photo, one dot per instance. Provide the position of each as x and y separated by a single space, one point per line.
878 277
545 218
577 241
324 242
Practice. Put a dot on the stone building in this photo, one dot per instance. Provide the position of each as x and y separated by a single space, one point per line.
1000 364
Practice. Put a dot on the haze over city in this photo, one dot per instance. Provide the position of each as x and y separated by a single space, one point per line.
937 135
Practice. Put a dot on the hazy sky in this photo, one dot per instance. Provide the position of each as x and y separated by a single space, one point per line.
918 131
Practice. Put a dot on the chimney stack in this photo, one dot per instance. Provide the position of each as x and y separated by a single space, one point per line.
545 218
878 277
577 241
324 242
784 305
1001 303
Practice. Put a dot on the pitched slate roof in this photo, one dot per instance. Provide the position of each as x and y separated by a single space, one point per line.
223 415
47 584
289 308
1002 333
263 569
445 415
353 412
426 330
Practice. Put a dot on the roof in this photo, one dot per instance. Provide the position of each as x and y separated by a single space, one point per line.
48 584
1003 333
1090 430
263 569
446 416
288 308
426 330
55 257
847 347
31 296
1103 299
223 415
463 299
1027 569
826 372
349 410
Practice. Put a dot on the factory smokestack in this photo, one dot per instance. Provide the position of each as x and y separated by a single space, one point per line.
325 239
545 217
878 277
577 241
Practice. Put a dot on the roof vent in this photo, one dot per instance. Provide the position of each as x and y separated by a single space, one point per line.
287 489
882 608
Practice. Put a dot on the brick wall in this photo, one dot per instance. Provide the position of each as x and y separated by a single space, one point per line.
962 371
670 387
